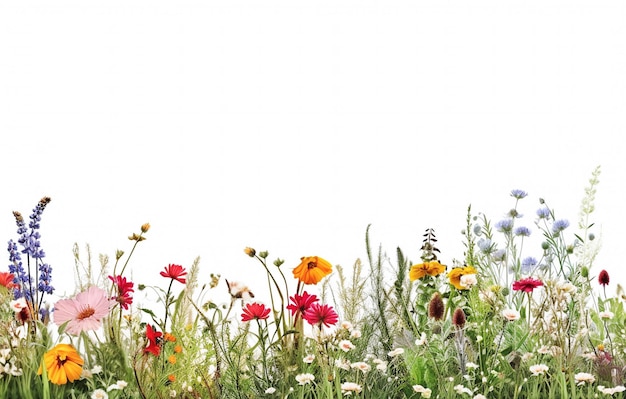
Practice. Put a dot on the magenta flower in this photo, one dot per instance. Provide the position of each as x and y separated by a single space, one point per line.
321 314
254 311
526 284
124 289
300 303
84 312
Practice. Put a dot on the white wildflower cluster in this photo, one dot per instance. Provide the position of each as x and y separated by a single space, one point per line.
7 363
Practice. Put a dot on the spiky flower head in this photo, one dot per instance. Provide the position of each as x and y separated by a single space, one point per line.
436 307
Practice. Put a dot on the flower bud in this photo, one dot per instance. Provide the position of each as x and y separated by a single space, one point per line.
145 227
250 252
584 272
603 278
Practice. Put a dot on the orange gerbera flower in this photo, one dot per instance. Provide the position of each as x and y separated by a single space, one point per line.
62 364
433 268
312 269
455 276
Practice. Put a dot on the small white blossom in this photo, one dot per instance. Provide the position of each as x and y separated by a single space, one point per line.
99 394
395 352
364 367
606 315
345 345
270 390
582 378
305 378
468 280
538 369
348 387
511 314
308 359
421 341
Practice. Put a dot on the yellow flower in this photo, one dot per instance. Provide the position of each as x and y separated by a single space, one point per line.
172 359
455 276
433 268
62 363
312 269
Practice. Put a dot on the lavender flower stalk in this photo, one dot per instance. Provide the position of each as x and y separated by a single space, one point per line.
31 246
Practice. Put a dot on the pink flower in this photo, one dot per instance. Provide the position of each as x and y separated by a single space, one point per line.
84 312
527 284
255 311
124 289
300 303
321 314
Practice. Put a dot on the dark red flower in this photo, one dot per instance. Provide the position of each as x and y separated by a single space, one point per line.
154 341
175 272
6 280
300 303
603 278
321 314
527 284
256 311
124 288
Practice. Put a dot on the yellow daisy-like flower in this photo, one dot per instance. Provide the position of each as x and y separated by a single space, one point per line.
433 268
455 276
312 269
62 364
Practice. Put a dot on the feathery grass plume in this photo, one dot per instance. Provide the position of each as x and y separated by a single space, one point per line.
379 295
352 296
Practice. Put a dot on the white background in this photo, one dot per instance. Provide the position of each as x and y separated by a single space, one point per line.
290 126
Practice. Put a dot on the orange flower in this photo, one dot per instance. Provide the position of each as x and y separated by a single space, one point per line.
62 363
455 276
171 378
433 268
178 349
312 269
172 359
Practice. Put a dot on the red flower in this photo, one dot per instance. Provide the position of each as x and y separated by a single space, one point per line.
124 288
603 278
175 272
321 314
301 303
6 280
154 341
256 311
527 284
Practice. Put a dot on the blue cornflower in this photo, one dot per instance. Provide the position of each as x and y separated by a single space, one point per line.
499 255
485 245
559 226
543 213
505 225
522 231
519 194
528 264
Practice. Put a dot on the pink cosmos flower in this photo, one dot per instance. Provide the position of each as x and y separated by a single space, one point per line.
84 312
321 314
